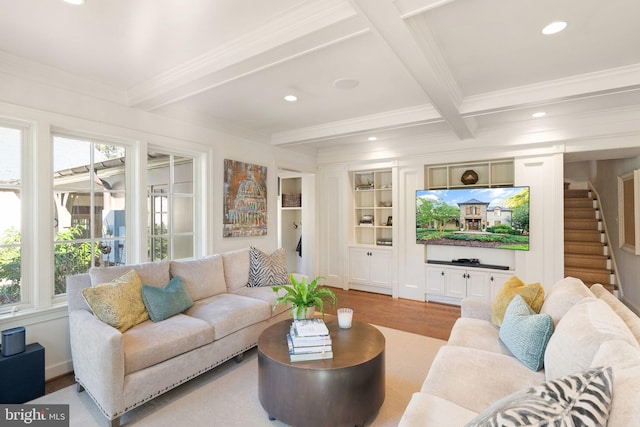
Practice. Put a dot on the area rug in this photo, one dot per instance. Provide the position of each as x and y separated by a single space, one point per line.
228 394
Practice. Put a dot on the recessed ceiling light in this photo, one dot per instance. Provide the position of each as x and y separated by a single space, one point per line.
346 83
372 138
539 114
75 2
554 27
291 98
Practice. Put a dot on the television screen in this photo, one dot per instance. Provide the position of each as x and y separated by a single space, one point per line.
479 217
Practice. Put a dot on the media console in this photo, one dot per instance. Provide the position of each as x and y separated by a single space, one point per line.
450 282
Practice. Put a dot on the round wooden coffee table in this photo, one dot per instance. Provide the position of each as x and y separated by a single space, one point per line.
345 390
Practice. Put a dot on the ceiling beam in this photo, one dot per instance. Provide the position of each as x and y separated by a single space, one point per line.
303 29
422 60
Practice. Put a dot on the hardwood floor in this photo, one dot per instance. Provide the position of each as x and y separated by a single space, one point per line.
423 318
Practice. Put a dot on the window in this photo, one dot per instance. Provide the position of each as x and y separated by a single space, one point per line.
89 206
171 207
10 221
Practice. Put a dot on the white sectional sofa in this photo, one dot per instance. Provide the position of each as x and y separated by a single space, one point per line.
121 371
475 369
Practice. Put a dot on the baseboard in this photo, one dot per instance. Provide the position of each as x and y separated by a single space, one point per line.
57 370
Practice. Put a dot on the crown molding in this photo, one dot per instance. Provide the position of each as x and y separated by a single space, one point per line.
294 24
54 77
575 87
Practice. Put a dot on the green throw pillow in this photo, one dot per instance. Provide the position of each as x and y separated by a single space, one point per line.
168 301
526 333
581 399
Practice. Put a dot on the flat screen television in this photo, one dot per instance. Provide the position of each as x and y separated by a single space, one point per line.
477 217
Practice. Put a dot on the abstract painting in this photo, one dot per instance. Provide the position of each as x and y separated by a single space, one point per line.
245 199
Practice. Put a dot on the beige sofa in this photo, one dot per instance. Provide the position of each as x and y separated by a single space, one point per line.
475 369
121 371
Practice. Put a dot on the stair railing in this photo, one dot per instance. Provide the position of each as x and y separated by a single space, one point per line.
617 288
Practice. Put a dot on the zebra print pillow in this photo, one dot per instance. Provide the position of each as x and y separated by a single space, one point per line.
582 399
267 270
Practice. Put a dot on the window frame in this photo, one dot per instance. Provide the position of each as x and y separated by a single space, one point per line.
37 204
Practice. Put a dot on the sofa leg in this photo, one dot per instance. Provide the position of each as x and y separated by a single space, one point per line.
114 422
79 388
239 358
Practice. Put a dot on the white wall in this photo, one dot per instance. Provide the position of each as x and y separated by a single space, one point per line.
49 107
605 182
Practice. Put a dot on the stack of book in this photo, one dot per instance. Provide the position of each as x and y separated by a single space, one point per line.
309 339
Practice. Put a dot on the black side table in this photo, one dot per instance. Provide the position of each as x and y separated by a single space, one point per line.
22 375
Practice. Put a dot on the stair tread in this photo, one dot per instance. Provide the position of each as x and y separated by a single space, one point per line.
587 256
587 269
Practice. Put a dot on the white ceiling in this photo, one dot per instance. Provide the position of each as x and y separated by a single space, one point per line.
457 66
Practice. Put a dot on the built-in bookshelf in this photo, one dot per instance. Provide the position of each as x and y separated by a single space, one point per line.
498 173
372 197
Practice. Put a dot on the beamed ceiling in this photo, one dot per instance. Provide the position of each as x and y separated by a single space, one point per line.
420 67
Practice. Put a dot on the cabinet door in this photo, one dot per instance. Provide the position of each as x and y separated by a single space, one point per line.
456 283
496 281
478 285
435 280
380 268
359 265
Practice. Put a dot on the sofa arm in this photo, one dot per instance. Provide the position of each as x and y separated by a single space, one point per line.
97 351
476 309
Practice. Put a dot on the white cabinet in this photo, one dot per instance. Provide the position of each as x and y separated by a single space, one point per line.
497 280
370 269
451 284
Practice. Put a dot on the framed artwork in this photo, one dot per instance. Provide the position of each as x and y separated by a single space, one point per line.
245 199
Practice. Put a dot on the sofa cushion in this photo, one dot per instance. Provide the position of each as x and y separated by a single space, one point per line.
625 360
428 410
579 334
150 273
267 270
203 277
629 317
562 296
162 303
119 302
476 333
228 313
474 379
150 343
580 399
533 294
265 294
526 333
236 269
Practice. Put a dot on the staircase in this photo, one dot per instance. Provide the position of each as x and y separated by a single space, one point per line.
586 254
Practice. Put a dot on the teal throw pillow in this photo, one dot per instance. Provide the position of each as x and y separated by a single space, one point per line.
168 301
526 333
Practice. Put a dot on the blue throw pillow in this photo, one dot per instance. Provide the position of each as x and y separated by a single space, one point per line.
168 301
526 333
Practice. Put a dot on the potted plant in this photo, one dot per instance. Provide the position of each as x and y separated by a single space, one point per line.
302 295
